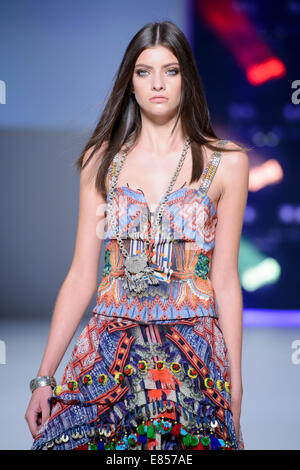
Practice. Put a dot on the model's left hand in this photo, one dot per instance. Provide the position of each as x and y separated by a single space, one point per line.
236 412
236 403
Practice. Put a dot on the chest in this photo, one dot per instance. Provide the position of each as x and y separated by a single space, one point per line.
189 215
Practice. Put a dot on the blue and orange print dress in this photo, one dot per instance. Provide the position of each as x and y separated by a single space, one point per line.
150 371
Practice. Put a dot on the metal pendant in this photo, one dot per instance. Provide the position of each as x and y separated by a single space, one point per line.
136 264
138 275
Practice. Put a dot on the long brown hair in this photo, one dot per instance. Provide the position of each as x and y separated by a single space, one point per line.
120 122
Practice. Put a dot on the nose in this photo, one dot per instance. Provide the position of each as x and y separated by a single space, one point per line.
157 83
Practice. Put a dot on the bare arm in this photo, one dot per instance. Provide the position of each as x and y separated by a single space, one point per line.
80 283
224 271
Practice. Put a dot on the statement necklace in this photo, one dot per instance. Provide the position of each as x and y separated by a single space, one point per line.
138 274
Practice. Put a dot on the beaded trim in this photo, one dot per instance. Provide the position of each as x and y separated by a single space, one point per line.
211 169
201 435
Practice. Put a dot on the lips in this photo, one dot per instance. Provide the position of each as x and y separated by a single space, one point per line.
158 98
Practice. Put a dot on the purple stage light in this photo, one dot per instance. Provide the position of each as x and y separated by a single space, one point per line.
250 214
271 318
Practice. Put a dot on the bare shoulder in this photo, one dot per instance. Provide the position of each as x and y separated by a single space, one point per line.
234 166
97 154
90 163
237 156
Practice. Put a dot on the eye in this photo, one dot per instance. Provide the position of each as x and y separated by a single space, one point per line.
140 72
174 70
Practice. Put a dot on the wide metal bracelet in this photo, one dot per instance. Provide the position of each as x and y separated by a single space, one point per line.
42 381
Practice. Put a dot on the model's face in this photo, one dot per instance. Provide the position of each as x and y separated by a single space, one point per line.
157 72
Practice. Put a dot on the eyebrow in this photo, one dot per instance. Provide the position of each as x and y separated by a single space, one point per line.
149 66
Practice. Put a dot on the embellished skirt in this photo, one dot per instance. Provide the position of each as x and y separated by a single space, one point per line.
136 386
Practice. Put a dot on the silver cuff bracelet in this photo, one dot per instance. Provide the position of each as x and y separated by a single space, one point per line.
42 381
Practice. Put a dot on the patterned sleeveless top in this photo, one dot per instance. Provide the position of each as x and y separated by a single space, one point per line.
181 257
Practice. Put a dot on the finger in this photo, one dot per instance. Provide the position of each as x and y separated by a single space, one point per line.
45 414
236 426
32 424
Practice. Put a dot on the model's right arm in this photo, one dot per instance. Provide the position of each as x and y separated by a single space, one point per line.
80 283
76 291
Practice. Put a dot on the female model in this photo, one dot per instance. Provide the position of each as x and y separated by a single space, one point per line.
158 366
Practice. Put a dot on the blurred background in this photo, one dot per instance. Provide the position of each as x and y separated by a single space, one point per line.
58 63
